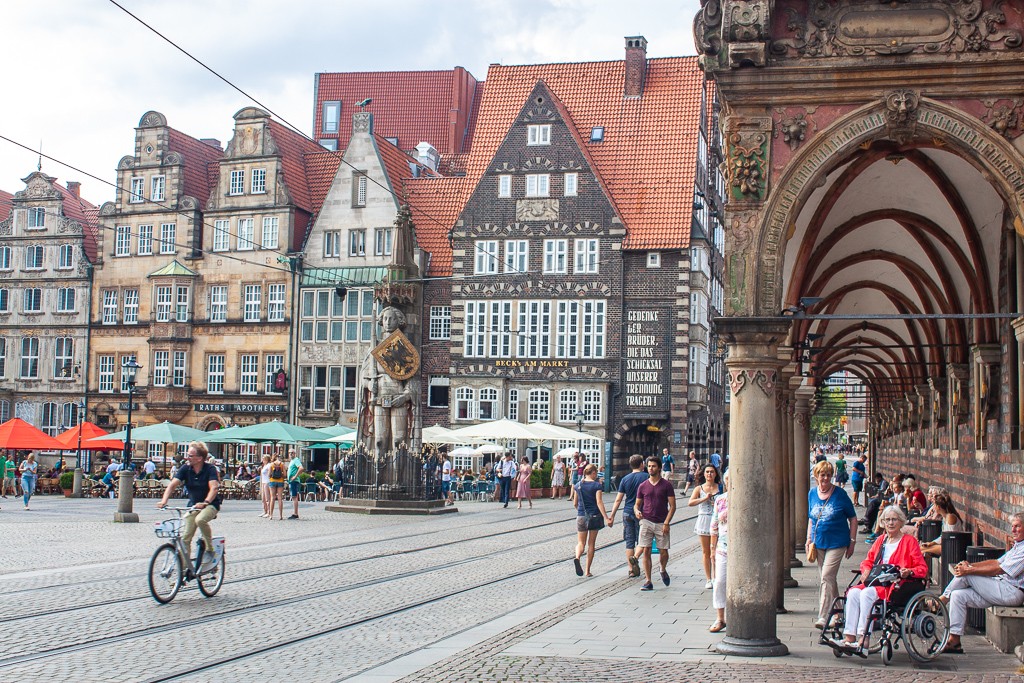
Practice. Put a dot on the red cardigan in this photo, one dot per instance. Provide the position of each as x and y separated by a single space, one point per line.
907 556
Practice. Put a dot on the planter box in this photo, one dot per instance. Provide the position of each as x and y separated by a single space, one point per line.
67 493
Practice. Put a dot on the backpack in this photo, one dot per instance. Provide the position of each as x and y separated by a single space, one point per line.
277 472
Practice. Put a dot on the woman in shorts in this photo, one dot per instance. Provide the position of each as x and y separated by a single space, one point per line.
703 498
591 516
278 474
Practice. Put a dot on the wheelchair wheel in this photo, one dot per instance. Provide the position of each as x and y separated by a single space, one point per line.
886 652
925 627
834 622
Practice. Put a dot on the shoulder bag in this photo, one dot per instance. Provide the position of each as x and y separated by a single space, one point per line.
812 551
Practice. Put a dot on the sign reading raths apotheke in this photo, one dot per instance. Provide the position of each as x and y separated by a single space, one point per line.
238 407
646 378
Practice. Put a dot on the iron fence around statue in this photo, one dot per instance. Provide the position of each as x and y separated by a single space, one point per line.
396 475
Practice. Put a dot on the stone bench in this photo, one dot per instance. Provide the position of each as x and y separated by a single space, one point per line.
1004 627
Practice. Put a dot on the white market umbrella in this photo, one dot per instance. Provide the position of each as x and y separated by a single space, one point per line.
567 452
462 451
489 449
550 432
503 430
438 434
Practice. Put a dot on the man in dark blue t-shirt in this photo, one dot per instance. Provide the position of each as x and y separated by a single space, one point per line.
202 481
627 498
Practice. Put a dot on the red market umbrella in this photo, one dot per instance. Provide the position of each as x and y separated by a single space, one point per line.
70 439
16 434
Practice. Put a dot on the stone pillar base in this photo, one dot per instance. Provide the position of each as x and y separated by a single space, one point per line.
126 517
742 647
790 582
794 563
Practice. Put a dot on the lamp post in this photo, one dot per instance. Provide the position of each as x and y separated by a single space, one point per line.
126 481
76 487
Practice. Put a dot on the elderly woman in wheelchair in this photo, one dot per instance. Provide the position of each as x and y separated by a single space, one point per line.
888 604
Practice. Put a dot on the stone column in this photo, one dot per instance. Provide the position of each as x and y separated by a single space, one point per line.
793 494
801 464
754 498
786 457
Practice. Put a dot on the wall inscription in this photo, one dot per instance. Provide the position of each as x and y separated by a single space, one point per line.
644 364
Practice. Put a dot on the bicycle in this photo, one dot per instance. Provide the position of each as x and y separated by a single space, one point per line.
167 568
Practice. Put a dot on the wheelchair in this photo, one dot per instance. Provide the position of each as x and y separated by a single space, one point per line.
912 617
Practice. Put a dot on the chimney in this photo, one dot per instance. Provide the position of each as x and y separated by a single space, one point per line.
75 188
427 155
636 66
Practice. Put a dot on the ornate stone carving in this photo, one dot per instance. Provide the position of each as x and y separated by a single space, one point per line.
534 210
1002 116
6 227
764 380
747 156
883 28
152 119
793 128
707 27
188 203
901 107
172 159
126 162
745 25
362 122
108 209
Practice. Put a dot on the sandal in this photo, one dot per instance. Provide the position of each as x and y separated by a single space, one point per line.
717 627
952 649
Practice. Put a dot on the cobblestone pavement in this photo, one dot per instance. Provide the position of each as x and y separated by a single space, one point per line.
485 595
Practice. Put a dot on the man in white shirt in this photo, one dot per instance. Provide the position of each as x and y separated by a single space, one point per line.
149 468
446 480
506 470
986 583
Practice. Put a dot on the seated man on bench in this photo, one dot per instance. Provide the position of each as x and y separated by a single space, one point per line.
986 583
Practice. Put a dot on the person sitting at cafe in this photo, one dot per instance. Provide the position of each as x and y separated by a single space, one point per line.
985 584
885 496
942 510
243 473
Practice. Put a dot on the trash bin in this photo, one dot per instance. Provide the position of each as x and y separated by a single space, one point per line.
977 553
954 549
929 530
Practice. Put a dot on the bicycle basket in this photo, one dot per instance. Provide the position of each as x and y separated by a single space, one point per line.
169 528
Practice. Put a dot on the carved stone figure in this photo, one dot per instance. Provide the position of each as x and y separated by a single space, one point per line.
389 386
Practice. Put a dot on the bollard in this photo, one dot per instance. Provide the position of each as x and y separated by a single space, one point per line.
125 494
76 488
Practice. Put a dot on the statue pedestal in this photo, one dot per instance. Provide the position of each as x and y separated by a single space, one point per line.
391 507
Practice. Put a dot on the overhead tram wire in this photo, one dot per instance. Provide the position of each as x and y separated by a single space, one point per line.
298 131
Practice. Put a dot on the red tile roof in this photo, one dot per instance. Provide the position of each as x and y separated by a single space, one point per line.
413 106
436 204
86 214
321 167
197 158
397 164
649 154
5 205
293 147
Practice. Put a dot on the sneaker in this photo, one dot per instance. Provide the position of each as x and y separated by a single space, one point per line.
293 516
709 584
634 568
647 586
871 538
820 624
665 579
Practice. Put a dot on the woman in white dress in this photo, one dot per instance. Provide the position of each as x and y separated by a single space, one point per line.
557 477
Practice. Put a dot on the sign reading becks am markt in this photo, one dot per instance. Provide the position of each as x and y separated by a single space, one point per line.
645 366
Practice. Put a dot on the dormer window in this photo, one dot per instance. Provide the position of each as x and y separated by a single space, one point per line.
37 217
538 134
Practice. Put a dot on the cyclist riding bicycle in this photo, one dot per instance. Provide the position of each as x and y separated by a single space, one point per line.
202 481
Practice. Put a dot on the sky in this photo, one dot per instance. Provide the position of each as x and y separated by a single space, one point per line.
81 73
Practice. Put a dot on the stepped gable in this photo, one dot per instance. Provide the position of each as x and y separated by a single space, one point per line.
647 159
199 168
5 205
292 148
413 106
436 204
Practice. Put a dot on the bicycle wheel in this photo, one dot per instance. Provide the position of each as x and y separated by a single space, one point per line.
165 573
210 582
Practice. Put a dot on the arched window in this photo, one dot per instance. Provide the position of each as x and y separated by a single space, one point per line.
539 405
568 404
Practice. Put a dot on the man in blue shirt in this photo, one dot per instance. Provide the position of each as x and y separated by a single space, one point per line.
857 477
716 460
667 461
627 498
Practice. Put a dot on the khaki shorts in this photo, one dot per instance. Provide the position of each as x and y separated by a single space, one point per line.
651 530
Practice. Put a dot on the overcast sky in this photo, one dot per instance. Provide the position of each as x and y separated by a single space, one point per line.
80 73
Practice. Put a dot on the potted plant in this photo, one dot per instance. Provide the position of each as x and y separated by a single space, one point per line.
67 483
540 480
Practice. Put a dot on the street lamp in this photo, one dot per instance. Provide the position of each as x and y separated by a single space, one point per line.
126 482
580 416
80 406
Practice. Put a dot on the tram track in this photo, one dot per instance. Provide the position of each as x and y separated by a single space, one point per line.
207 666
291 571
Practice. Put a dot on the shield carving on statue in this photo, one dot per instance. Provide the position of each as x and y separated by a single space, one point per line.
397 356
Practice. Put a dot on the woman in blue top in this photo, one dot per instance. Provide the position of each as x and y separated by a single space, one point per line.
591 516
832 527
